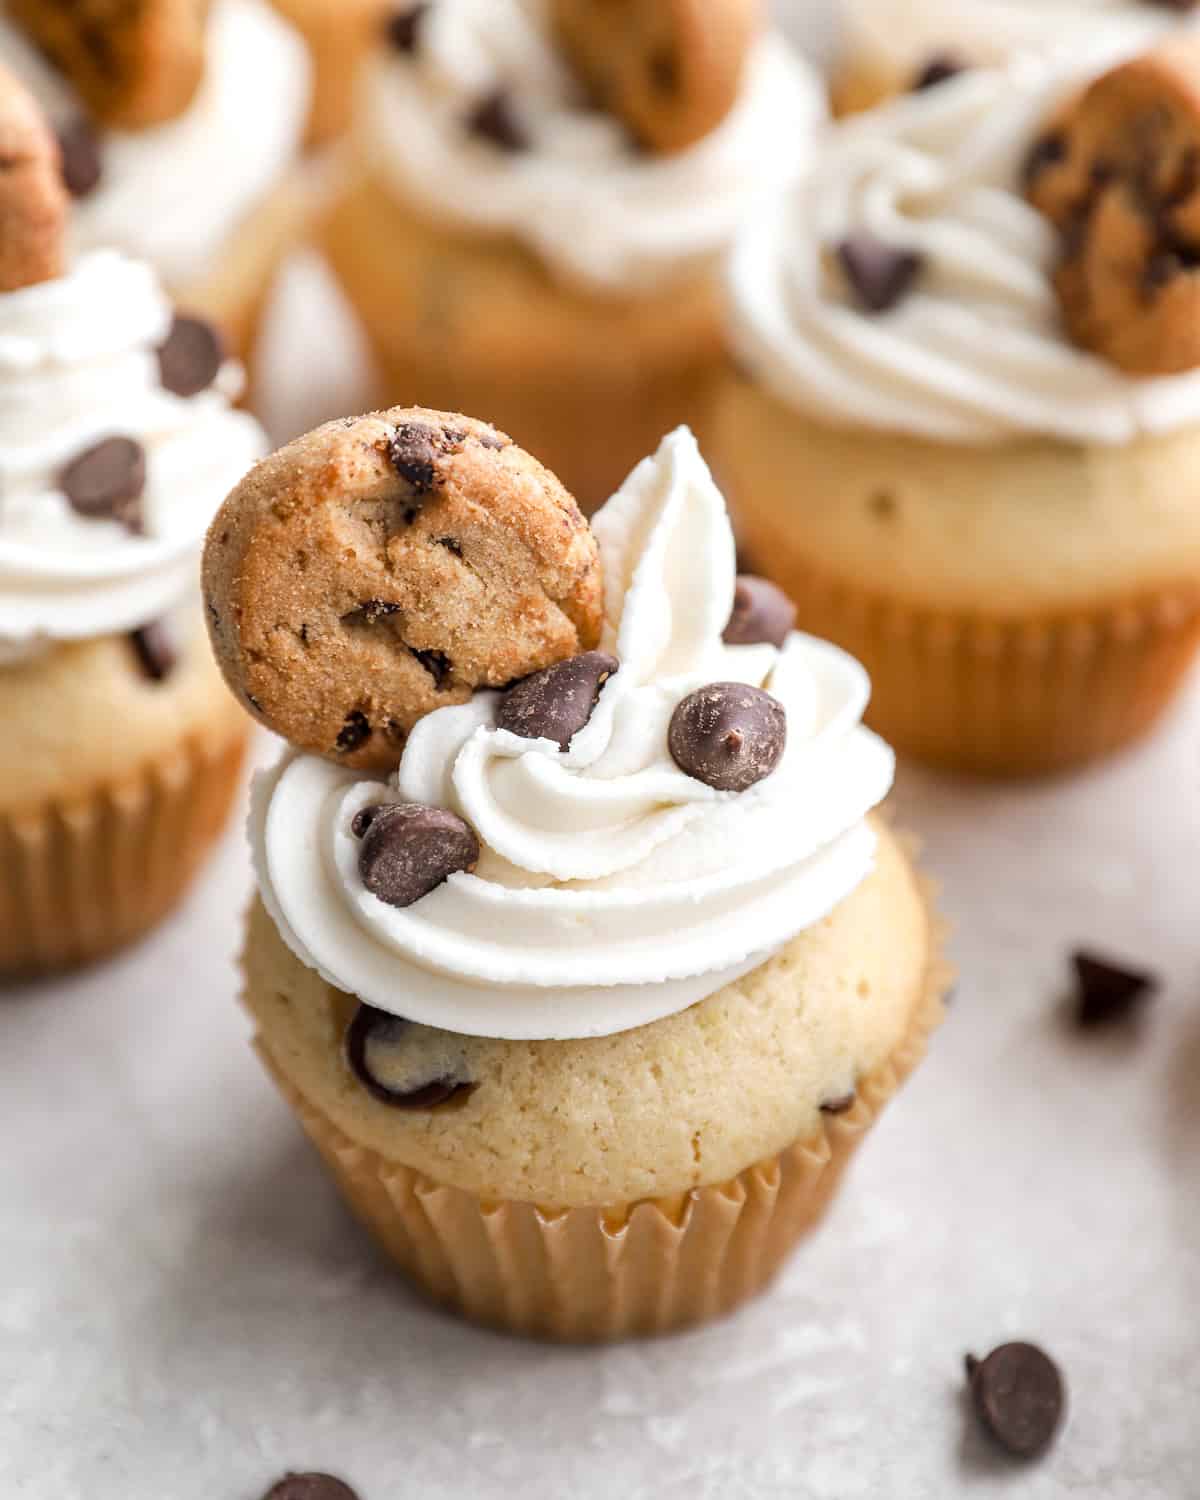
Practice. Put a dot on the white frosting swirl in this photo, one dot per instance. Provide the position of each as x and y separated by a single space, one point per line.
173 194
77 365
593 208
613 889
976 351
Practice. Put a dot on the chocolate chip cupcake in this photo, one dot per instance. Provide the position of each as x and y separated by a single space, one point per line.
891 46
178 138
121 746
536 203
587 984
965 430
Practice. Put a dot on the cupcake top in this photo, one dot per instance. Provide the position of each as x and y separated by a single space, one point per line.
473 111
908 285
117 441
622 834
171 192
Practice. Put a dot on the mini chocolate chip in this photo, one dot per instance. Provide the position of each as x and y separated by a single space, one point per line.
155 649
761 612
414 456
311 1486
1047 151
408 850
450 544
556 703
1019 1397
363 819
879 276
1109 992
939 69
79 146
840 1105
370 612
403 30
192 356
254 703
106 481
379 1027
436 663
493 120
728 735
354 732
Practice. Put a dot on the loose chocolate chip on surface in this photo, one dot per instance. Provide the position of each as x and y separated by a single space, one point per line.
354 732
107 480
372 1028
728 735
82 166
840 1105
155 649
310 1487
1019 1397
493 120
403 30
414 456
761 612
1109 992
191 358
939 69
557 702
408 850
879 275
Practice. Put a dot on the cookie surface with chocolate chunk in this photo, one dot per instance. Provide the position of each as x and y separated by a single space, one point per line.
388 565
1117 171
669 69
33 199
133 63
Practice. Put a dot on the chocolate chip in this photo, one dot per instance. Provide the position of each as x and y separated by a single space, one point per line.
414 456
879 276
761 612
408 850
106 481
370 612
1046 152
372 1029
450 544
79 146
493 120
1019 1397
728 735
556 703
192 356
354 732
403 29
155 650
840 1105
436 663
363 819
939 69
1109 992
310 1487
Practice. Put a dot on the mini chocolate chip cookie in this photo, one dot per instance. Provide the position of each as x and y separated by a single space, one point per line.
134 63
33 200
1118 174
670 69
388 565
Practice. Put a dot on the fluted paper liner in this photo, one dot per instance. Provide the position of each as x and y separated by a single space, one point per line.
86 874
1024 696
593 1274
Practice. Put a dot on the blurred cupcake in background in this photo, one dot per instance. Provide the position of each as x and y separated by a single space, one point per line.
537 203
964 428
179 124
121 746
888 47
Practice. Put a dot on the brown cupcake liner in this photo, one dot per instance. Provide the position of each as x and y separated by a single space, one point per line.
82 876
1024 695
587 1275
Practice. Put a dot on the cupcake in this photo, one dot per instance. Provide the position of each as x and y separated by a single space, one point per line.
512 246
339 34
891 46
587 986
983 489
178 138
121 745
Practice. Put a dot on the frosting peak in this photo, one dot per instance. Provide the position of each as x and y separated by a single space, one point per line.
612 888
